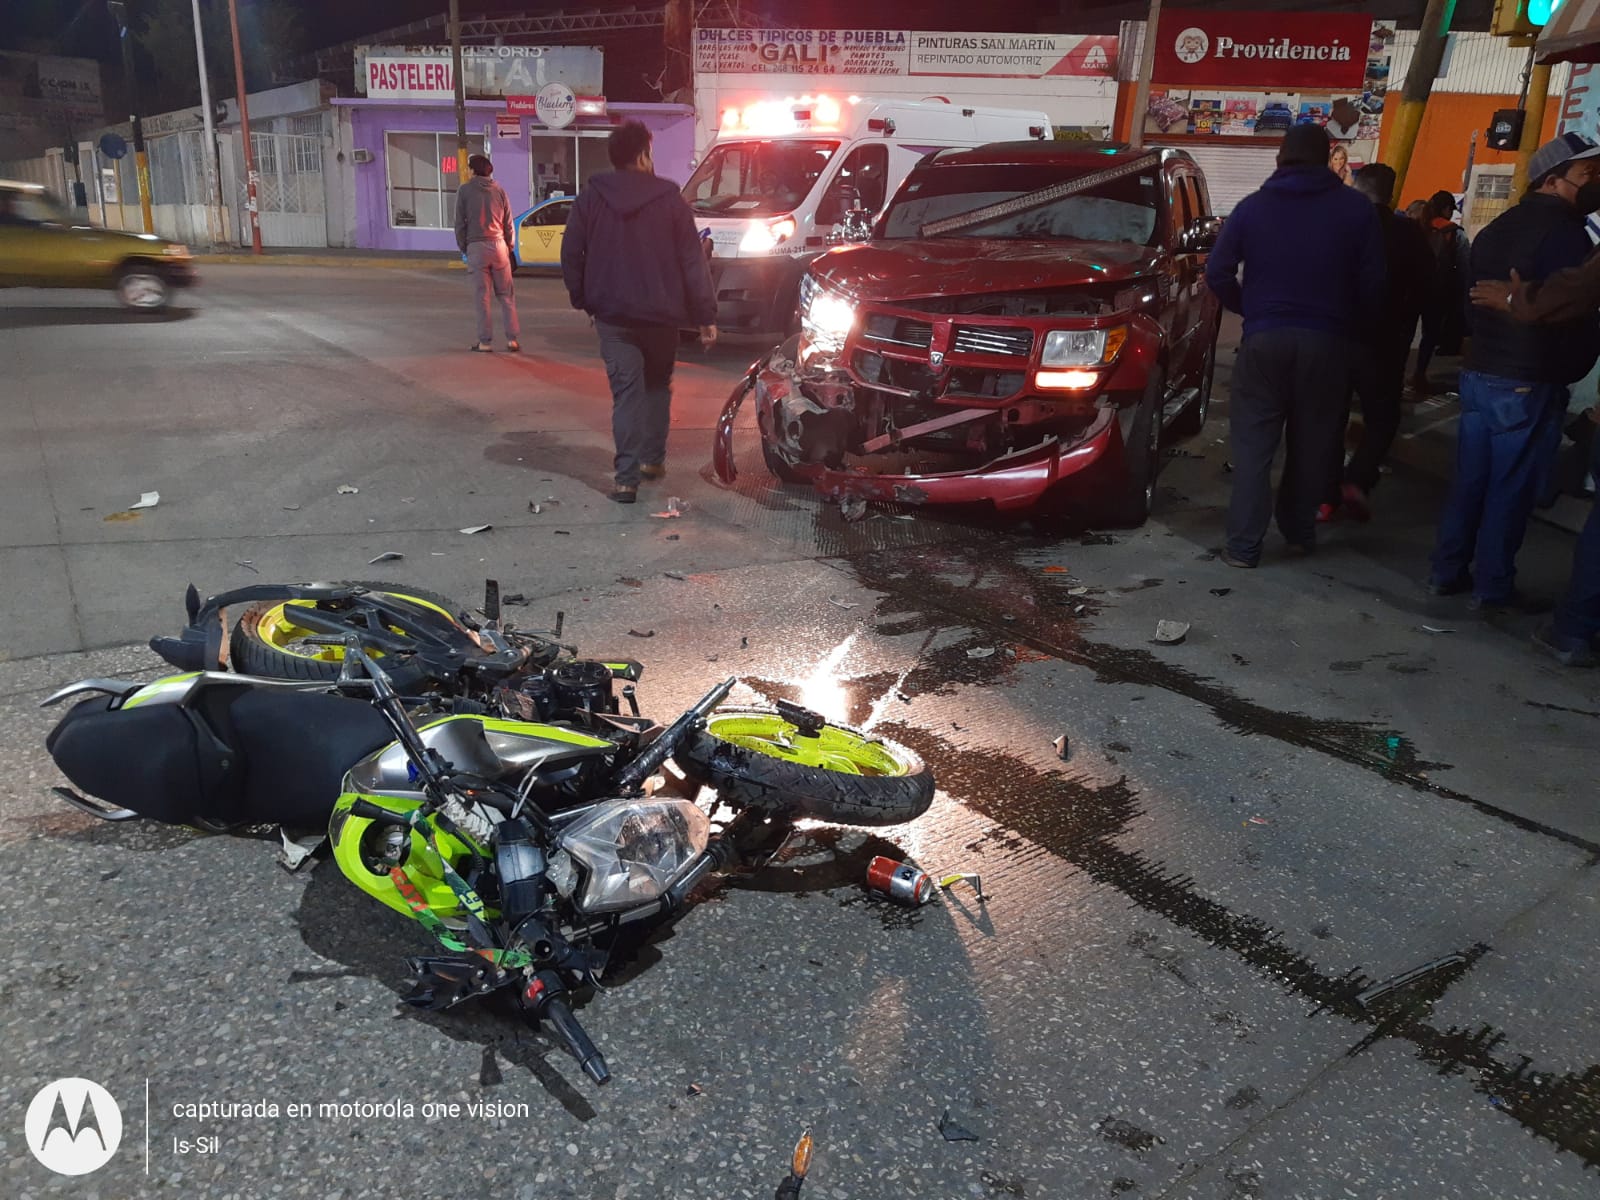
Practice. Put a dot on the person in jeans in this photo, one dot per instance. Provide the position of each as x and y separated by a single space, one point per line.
485 233
1312 251
1514 387
1380 369
632 260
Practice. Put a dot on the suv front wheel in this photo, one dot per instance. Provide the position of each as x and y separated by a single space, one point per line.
1131 489
143 288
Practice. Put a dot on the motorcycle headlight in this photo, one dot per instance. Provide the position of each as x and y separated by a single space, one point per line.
1081 347
634 850
826 317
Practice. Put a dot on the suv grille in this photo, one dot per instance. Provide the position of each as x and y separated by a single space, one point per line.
899 331
991 339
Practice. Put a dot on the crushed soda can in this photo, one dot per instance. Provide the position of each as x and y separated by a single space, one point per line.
901 882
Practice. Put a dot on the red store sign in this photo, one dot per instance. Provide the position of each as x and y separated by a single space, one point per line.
1197 48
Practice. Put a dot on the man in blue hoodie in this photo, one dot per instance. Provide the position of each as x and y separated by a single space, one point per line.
632 260
1313 258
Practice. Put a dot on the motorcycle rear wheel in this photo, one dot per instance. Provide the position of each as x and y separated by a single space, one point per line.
266 641
756 759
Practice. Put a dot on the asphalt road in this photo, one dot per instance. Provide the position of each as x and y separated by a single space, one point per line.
1175 988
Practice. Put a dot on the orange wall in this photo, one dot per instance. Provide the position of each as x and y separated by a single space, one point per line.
1445 139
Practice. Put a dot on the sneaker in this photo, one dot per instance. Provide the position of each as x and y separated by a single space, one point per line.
1563 651
1326 513
654 470
482 348
1516 602
1354 502
624 495
514 347
1449 587
1230 559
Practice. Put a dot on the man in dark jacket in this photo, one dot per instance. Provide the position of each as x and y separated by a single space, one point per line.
1515 386
632 260
1444 310
1380 371
1312 251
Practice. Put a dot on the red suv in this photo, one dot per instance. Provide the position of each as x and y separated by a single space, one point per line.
1029 324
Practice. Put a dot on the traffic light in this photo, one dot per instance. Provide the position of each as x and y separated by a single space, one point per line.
1521 20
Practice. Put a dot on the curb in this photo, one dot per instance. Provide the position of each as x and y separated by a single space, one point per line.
327 260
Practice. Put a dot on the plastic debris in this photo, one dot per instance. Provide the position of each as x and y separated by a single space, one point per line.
671 537
1055 570
535 509
1220 591
694 1089
674 508
296 850
146 500
1077 591
949 881
291 508
1259 821
981 652
799 1164
386 556
1435 629
838 603
744 643
1063 748
564 532
515 598
345 489
249 564
1170 633
675 575
954 1132
852 508
477 529
641 633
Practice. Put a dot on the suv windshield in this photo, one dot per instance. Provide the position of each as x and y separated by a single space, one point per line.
1123 210
19 207
757 179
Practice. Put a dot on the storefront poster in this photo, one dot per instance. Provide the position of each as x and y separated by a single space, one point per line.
1012 55
800 51
1200 48
1175 112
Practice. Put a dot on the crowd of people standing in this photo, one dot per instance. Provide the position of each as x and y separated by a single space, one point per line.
1332 318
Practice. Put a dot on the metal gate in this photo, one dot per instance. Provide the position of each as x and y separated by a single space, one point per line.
290 198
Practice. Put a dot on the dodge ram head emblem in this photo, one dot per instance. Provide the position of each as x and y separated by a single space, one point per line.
936 358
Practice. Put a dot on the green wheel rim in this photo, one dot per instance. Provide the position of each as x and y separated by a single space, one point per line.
832 749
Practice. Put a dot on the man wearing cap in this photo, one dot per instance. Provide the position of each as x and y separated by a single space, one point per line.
1313 257
1516 379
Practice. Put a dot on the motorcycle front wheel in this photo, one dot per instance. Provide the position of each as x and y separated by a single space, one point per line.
757 759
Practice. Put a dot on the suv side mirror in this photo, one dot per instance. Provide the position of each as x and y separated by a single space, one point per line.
1200 235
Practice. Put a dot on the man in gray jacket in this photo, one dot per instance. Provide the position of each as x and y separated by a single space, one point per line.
485 233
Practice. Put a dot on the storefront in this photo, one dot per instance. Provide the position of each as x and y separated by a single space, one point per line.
404 170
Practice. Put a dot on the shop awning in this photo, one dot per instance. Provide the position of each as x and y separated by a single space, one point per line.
1572 34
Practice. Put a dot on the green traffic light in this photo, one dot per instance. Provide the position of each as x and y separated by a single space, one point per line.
1540 11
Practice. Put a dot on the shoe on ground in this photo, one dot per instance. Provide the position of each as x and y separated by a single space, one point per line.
1449 587
1565 652
624 495
1233 560
514 347
1516 602
482 347
654 470
1354 503
1327 513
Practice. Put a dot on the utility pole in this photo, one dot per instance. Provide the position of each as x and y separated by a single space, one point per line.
251 178
208 150
462 172
141 161
1147 66
1431 42
1537 90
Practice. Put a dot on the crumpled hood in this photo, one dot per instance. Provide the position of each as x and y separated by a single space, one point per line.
1302 181
915 268
626 192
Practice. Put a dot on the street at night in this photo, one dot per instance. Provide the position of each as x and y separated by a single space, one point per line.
1300 906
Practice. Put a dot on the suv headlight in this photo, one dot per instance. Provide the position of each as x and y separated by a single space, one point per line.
632 851
826 317
1082 347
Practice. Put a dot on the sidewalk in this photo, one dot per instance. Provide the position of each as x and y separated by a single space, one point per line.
335 256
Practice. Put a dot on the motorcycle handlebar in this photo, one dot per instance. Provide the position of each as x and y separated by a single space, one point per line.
560 1015
373 812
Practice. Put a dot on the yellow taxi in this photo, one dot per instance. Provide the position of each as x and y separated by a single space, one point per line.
539 231
43 244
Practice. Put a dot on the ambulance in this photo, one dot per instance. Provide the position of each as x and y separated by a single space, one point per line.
782 173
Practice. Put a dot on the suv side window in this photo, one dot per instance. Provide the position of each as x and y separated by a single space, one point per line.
866 169
1200 203
1178 204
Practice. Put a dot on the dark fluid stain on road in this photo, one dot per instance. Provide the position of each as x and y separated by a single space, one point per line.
1581 712
1128 1135
919 584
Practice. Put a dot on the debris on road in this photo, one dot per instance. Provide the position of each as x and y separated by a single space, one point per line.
949 881
1259 821
675 575
900 882
296 850
515 598
694 1089
954 1132
1171 633
470 529
291 508
641 633
124 515
345 489
1063 748
1220 591
799 1164
1435 629
674 508
629 581
744 643
1077 591
838 603
146 500
1056 570
852 508
249 564
1377 991
535 509
386 556
981 652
